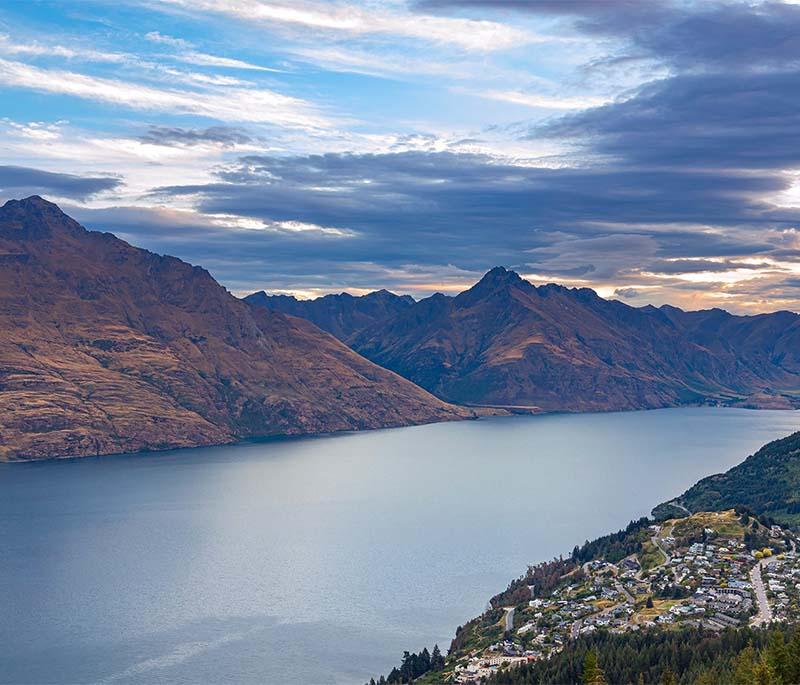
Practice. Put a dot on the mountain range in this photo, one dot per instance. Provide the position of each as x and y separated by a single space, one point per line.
507 343
341 315
107 348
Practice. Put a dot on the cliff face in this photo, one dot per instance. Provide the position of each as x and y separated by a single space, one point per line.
341 315
506 342
108 348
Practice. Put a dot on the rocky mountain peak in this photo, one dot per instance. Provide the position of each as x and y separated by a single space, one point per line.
33 218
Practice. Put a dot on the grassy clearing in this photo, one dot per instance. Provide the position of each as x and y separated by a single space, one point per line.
725 523
659 607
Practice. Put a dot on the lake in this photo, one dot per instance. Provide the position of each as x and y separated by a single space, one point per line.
320 560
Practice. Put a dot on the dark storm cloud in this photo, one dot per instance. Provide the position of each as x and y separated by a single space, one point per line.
721 36
558 7
747 121
692 34
224 136
462 196
732 36
22 181
470 211
243 259
613 17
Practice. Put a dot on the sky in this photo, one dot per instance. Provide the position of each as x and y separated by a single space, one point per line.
649 149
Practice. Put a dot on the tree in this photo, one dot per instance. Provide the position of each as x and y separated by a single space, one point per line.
743 666
649 603
794 658
763 673
437 660
423 664
778 657
706 677
668 677
592 673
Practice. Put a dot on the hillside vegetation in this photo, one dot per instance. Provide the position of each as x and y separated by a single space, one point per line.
768 482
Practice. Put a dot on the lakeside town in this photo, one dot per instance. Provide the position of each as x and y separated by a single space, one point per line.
713 570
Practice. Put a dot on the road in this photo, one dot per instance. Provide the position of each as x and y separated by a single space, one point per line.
627 595
764 614
667 557
678 505
509 618
575 630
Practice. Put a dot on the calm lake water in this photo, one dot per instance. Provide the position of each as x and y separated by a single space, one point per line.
320 560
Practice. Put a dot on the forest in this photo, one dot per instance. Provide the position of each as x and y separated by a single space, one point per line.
740 656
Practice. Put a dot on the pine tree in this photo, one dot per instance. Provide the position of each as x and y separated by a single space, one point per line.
794 658
590 667
668 677
437 660
424 662
592 673
743 666
778 657
764 674
706 677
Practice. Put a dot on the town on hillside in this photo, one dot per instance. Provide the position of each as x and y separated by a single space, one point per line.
712 570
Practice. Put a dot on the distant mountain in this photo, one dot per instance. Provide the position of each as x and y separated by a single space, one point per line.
768 482
341 315
506 342
108 348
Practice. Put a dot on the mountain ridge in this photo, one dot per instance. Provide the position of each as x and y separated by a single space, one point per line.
506 342
339 314
107 348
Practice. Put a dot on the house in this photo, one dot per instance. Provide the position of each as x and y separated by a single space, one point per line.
630 564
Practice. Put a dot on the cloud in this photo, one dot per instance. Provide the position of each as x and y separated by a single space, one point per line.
26 181
37 49
613 17
666 169
187 53
745 121
351 19
224 136
226 104
719 35
626 293
476 211
542 100
560 7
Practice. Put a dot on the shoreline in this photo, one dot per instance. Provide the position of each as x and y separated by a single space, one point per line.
507 412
